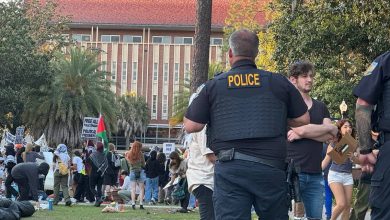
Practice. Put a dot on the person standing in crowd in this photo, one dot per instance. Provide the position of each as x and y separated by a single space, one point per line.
26 175
247 111
137 172
200 172
178 169
29 155
328 191
19 153
87 151
111 175
78 173
61 158
305 142
374 89
10 162
340 176
99 165
163 176
152 170
125 189
361 205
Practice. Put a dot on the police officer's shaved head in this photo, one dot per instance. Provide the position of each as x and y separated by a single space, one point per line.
244 43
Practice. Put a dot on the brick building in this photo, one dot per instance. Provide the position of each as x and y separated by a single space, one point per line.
147 45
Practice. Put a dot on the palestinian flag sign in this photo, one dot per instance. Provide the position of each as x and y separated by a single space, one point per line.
102 133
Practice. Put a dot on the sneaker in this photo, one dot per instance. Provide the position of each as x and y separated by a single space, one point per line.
153 201
141 207
98 202
133 206
182 210
68 203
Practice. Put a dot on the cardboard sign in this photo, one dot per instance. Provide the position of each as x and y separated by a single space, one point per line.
339 153
168 148
19 135
89 128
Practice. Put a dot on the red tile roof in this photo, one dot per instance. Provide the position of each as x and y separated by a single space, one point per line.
141 12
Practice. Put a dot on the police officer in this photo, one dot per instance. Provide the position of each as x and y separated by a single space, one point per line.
247 111
374 89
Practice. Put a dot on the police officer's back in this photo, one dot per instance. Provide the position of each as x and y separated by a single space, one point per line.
246 111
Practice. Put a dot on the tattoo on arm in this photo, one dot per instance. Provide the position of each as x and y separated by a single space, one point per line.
363 125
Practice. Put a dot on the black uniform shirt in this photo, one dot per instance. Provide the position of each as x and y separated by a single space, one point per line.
371 86
270 148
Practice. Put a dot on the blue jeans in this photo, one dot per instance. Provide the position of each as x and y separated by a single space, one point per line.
312 193
192 201
328 199
151 189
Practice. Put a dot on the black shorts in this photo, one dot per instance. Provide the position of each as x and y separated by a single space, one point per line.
110 179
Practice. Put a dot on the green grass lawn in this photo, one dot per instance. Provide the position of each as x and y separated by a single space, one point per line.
93 213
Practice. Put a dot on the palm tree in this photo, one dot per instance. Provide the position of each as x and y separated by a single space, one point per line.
133 116
78 90
183 96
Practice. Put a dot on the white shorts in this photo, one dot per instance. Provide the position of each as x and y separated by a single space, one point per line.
339 177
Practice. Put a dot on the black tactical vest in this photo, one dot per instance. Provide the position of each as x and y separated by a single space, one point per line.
244 107
384 109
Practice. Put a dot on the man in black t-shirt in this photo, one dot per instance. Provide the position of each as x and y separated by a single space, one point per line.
246 111
305 142
374 89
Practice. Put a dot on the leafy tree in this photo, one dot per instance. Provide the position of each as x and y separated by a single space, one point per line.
133 116
78 90
340 37
25 53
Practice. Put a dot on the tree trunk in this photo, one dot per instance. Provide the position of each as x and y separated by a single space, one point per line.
201 44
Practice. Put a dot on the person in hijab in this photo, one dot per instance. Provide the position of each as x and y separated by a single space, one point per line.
61 156
26 175
99 164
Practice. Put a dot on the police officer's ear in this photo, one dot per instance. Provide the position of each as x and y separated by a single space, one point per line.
230 53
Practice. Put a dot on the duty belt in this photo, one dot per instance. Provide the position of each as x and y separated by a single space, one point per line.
240 156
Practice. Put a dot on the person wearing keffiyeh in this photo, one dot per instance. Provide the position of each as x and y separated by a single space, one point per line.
99 165
61 156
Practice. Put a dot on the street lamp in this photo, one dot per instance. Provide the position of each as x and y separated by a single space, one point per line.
343 108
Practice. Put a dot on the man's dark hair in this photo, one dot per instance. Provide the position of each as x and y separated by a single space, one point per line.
43 168
300 68
244 43
124 172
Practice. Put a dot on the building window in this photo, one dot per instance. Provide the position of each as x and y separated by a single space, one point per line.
135 71
216 41
187 72
113 70
161 39
81 37
124 71
103 68
132 39
165 73
155 71
176 72
154 106
109 38
165 107
182 40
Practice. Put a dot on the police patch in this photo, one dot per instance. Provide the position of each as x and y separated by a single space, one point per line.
370 68
246 80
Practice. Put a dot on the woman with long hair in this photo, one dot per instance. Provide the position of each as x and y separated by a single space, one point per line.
178 169
340 176
137 173
29 155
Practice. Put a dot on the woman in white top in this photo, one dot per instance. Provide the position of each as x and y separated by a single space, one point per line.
125 189
61 156
200 174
